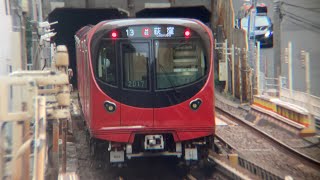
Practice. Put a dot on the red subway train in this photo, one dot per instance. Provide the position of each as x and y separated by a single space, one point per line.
146 87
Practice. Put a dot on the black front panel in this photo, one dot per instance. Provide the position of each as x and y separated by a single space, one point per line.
150 66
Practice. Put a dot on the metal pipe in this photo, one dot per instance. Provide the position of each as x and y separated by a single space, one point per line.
32 73
24 147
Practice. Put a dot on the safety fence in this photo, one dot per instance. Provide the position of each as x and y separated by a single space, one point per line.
305 100
34 110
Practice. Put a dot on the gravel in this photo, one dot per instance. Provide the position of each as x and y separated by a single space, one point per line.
261 152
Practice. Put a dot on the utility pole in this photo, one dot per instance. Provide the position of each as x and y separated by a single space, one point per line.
277 38
251 43
213 14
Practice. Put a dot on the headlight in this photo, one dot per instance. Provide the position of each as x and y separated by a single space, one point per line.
267 34
195 104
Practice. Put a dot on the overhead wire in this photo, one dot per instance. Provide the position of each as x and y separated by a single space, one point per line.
316 9
300 19
304 26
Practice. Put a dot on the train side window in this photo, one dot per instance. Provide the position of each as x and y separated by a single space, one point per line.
107 64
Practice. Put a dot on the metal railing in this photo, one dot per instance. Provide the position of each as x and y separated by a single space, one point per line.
34 110
20 151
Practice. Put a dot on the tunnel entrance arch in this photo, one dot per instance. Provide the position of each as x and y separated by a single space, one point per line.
71 20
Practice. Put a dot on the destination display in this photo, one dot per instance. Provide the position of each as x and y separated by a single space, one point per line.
167 31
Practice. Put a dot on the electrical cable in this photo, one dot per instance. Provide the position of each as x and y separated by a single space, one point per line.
301 19
296 6
301 25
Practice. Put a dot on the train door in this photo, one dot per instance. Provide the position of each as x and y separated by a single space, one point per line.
137 106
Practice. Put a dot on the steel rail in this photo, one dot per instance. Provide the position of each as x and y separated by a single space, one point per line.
282 145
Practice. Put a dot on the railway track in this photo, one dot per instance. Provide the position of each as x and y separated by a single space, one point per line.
275 141
304 159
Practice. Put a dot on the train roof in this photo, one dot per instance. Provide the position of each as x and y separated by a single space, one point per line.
83 30
144 21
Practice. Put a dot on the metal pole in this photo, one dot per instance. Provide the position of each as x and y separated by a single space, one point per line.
213 14
258 68
310 117
240 75
277 39
233 72
290 67
307 58
23 41
34 55
64 145
226 60
40 17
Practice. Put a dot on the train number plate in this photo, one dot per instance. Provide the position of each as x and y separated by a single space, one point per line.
116 156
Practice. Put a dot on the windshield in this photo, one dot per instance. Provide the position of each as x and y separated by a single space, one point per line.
178 62
135 58
259 21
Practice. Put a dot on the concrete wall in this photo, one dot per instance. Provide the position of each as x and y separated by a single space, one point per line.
137 4
10 44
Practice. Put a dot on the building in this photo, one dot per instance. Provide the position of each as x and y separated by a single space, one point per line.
10 35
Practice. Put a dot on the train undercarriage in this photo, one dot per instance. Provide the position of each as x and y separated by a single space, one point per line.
189 152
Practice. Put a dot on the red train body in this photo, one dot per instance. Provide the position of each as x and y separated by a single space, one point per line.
146 87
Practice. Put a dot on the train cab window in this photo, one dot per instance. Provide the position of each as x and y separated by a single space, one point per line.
107 64
179 62
135 65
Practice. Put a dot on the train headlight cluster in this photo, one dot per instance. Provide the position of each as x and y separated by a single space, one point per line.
114 34
195 104
187 33
110 106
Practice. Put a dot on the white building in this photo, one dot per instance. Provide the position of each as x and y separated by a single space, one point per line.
10 40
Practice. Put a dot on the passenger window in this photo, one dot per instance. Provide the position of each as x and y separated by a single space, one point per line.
135 65
107 64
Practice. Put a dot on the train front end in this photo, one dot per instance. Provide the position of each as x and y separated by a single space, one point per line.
152 88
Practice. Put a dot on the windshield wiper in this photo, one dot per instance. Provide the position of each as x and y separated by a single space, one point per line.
168 78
